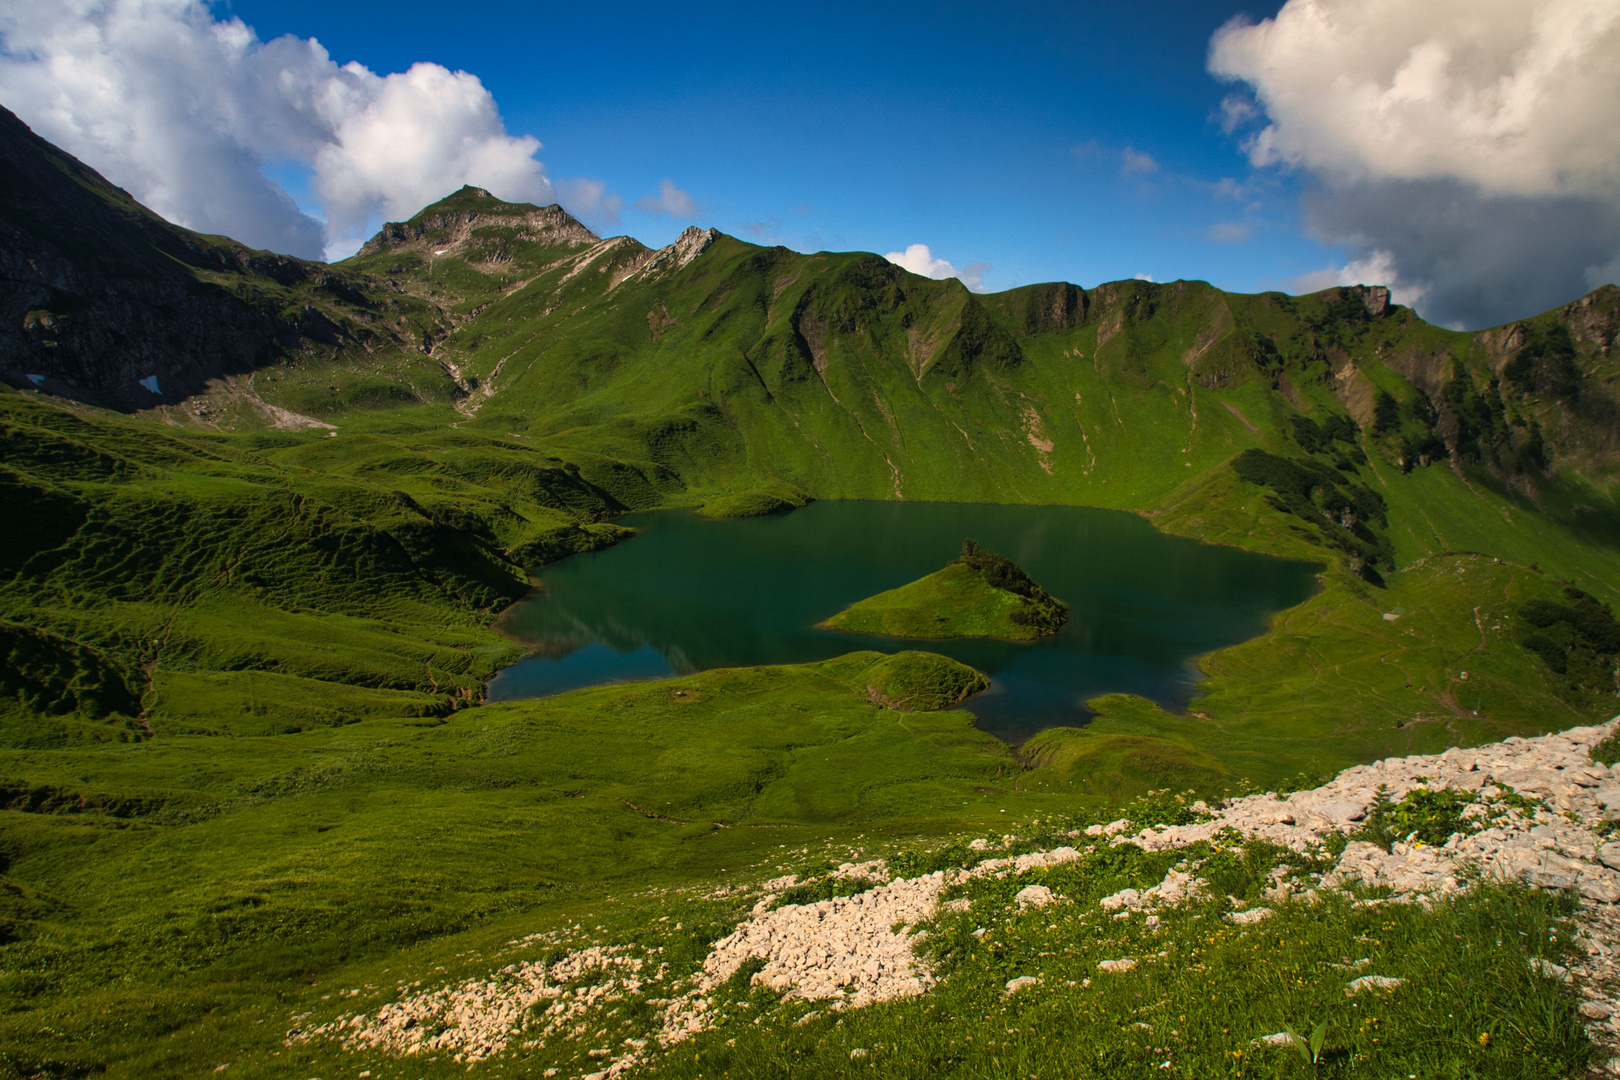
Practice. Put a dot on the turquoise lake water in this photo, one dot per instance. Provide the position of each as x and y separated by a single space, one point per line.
690 594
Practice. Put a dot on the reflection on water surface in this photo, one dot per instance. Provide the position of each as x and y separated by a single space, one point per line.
691 593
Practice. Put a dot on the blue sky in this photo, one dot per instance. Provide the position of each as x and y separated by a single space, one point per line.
992 133
1464 152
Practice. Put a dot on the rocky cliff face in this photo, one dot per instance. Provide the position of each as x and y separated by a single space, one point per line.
473 219
104 301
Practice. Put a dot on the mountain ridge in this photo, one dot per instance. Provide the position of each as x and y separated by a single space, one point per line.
248 615
98 293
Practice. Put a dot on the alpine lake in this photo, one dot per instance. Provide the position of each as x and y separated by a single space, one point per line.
692 593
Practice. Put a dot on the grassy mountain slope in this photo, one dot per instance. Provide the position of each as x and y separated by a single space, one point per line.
241 627
104 301
158 582
569 378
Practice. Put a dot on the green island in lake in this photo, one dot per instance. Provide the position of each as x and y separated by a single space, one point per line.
981 594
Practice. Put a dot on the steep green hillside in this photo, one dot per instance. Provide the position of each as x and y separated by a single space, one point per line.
243 628
103 301
154 582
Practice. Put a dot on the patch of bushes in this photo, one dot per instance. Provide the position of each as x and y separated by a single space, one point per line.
999 572
1579 640
825 888
1243 871
1546 364
1471 423
1319 438
1431 815
1386 413
1343 510
1423 816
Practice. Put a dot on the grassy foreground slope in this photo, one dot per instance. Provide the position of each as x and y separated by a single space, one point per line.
161 900
238 777
172 909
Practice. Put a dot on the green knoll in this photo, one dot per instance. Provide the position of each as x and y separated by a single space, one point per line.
982 594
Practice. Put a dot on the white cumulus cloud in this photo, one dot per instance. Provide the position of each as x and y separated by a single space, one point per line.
1377 268
591 200
1135 163
670 201
1474 144
920 259
185 111
1514 95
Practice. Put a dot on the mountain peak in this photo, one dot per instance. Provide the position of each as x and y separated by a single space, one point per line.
472 217
692 242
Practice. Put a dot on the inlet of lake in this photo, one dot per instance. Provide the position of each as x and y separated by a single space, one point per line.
690 593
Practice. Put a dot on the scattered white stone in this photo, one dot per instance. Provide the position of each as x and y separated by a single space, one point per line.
1549 970
1123 898
1034 896
857 950
845 947
1371 982
1015 985
1244 918
1343 811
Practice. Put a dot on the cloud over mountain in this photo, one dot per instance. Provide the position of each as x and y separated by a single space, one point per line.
185 111
671 201
1471 147
920 259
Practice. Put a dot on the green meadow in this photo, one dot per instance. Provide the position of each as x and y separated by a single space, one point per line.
247 774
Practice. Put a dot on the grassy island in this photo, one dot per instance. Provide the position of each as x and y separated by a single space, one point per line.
756 503
981 594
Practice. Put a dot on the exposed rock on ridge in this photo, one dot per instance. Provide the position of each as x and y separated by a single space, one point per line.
687 246
452 232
